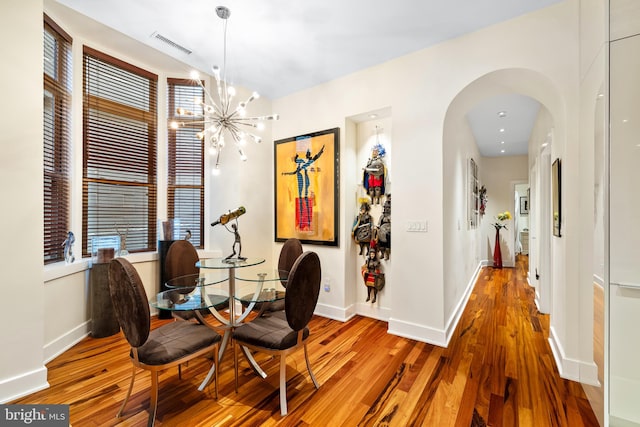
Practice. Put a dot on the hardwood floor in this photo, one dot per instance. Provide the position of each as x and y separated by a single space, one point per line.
498 370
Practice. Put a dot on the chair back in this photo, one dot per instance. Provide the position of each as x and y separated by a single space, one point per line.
130 301
303 289
289 253
181 260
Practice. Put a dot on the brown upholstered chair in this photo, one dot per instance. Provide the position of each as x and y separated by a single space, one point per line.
154 350
285 331
291 250
180 261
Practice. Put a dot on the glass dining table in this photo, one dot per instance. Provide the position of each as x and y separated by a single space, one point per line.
230 290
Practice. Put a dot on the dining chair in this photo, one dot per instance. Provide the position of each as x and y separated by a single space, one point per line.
154 350
290 251
285 331
181 261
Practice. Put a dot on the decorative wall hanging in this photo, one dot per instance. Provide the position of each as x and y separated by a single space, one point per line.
373 276
483 199
524 205
307 187
383 232
474 194
362 230
375 173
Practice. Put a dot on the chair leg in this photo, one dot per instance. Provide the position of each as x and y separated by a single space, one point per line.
235 362
215 361
283 385
179 372
126 399
154 399
306 357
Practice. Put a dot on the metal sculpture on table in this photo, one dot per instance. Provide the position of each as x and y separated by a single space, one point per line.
237 241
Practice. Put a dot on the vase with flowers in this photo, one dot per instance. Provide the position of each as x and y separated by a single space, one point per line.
499 225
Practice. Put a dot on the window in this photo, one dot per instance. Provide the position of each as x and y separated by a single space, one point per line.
57 139
119 162
185 188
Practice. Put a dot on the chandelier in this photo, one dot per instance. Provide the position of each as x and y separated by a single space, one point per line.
219 115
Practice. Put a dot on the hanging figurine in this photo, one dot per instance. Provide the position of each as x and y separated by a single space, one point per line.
363 227
373 276
384 230
375 173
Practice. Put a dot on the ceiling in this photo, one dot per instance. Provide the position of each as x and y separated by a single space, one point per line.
278 47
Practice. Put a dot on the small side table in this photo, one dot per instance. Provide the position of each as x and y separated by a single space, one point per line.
103 319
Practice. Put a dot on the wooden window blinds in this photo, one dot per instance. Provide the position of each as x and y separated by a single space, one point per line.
119 162
56 139
185 186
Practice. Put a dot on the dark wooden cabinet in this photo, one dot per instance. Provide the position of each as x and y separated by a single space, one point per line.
103 318
163 248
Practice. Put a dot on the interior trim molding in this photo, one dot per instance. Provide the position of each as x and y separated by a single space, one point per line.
417 332
568 368
64 342
335 313
23 385
454 319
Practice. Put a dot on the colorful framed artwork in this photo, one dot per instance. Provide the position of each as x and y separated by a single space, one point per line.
307 177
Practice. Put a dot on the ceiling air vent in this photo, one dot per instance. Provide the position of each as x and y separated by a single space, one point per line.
171 43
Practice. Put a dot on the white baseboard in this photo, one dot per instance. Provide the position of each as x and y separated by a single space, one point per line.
65 342
335 313
23 385
373 311
452 323
589 374
568 368
417 332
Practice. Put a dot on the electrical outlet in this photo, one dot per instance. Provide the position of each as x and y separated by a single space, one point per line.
327 285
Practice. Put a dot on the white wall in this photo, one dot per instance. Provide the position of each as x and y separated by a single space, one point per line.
21 253
624 217
462 244
593 108
419 89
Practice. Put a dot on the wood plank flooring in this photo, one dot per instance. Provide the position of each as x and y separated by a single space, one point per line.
498 370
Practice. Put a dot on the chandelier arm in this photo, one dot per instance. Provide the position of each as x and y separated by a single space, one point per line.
258 118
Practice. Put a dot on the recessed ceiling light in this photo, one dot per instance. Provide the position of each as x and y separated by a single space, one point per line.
501 142
545 144
502 114
373 116
502 151
625 120
501 129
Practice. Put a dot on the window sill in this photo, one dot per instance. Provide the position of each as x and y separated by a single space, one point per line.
61 269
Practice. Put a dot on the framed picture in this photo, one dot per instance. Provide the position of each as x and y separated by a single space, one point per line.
524 205
556 193
473 206
307 177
